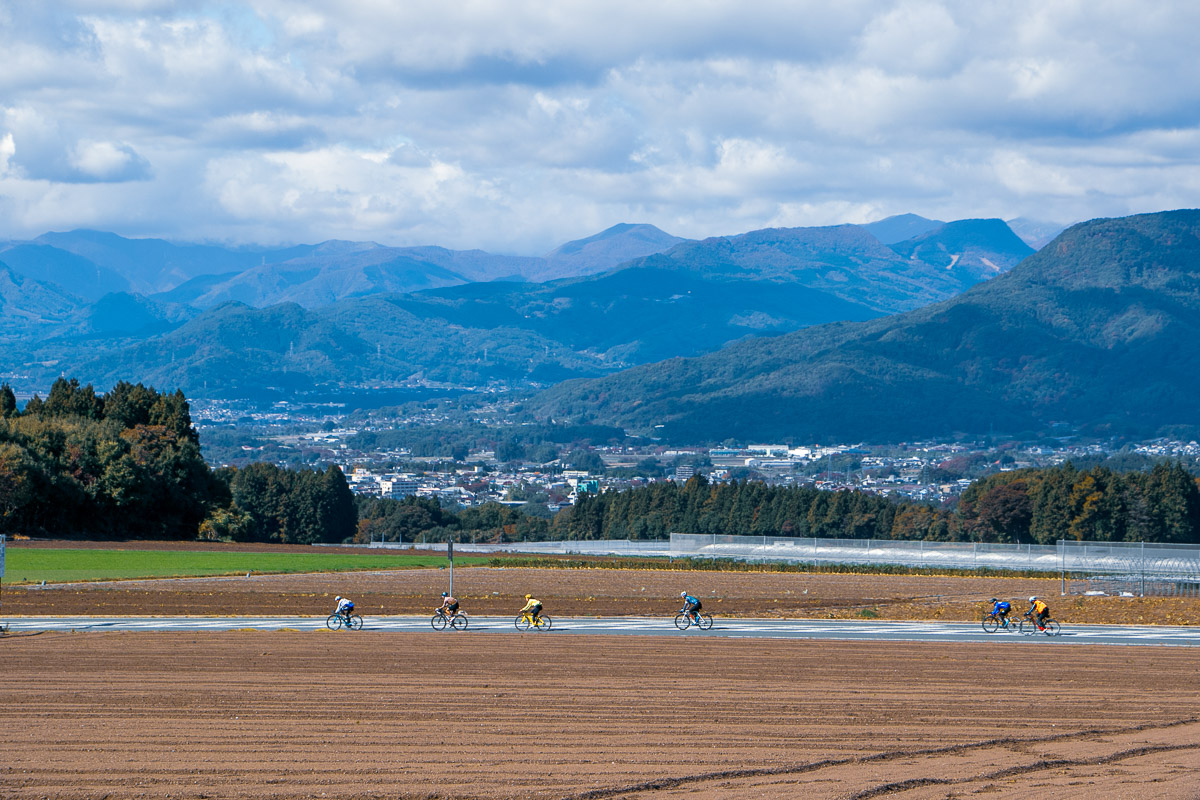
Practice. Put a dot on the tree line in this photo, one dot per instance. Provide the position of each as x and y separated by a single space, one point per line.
1040 505
1037 506
127 464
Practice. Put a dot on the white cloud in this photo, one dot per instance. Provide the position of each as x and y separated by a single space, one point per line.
107 161
515 126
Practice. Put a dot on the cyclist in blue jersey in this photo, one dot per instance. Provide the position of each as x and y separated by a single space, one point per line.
1000 609
691 606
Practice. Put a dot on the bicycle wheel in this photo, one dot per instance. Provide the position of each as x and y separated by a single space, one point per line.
438 622
522 622
1027 628
459 622
990 623
682 621
544 622
334 622
355 622
1052 627
705 622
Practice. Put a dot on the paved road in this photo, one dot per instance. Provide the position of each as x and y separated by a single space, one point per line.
642 626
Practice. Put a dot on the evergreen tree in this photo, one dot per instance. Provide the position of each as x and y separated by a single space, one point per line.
8 401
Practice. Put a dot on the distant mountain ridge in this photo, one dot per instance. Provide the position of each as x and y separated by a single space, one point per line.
404 315
900 227
848 262
94 263
1099 328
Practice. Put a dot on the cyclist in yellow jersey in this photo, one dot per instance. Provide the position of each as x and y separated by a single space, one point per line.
1039 610
533 607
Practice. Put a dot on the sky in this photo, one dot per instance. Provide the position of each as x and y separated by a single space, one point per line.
516 126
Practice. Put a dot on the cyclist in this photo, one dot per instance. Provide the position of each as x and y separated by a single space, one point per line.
1040 612
449 605
344 606
533 608
691 606
1000 609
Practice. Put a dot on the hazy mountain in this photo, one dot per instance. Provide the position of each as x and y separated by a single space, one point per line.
67 270
1099 328
328 273
604 251
473 334
845 261
235 349
901 227
25 302
1035 233
153 265
93 263
633 315
690 300
972 249
124 314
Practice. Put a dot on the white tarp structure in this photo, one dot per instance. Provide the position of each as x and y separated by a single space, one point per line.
954 555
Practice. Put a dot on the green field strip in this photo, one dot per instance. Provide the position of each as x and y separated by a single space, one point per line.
70 565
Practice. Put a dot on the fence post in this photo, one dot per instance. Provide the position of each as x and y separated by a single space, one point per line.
1143 570
1062 567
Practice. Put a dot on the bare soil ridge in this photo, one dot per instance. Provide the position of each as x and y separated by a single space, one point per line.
277 716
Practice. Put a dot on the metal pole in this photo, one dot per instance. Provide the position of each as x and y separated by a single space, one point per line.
3 627
450 555
1062 567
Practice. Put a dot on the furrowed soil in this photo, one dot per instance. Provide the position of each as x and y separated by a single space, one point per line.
488 716
284 715
594 592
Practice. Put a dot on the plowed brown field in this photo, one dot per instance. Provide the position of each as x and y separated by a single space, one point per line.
379 715
284 715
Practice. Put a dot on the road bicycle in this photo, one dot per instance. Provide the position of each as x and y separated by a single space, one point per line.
684 619
994 622
458 622
525 621
352 622
1029 627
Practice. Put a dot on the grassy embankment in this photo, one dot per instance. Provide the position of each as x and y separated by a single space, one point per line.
69 565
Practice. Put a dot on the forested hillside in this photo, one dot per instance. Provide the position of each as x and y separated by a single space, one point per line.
1099 329
127 465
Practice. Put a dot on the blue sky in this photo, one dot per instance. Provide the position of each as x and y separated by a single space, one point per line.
515 126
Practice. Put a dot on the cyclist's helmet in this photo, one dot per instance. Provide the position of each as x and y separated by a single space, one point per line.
338 598
1032 599
993 600
445 594
528 597
683 594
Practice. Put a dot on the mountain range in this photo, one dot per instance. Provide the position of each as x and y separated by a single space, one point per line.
1099 329
343 312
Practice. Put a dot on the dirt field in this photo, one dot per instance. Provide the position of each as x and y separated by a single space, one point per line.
594 592
283 715
307 715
